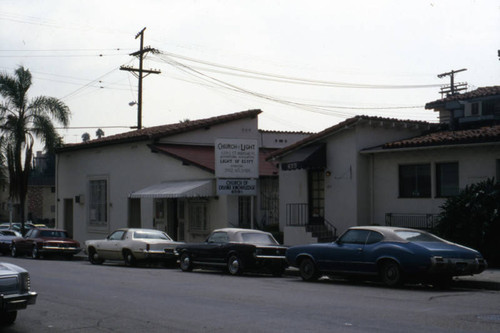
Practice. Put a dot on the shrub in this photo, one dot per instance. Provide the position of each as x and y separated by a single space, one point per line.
472 218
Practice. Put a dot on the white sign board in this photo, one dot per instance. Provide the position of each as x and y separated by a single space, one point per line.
236 158
236 187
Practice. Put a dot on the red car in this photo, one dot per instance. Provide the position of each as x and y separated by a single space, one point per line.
45 242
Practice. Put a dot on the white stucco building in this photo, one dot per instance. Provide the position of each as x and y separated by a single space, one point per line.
164 177
371 170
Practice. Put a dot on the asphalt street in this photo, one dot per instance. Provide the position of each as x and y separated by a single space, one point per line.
75 296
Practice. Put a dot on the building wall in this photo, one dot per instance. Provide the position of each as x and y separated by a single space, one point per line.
128 168
475 164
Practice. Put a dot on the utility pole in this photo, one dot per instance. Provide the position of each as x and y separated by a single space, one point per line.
453 88
139 73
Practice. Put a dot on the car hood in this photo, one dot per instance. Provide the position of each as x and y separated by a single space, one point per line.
448 250
9 269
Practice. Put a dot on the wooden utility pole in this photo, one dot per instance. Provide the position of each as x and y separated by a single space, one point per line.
139 73
453 88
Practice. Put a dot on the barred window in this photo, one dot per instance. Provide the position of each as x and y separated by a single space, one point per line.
98 203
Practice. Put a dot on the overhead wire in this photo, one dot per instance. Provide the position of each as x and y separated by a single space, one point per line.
323 109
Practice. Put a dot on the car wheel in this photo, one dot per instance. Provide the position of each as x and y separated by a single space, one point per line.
8 318
391 274
129 258
13 250
308 270
94 257
234 265
185 262
34 253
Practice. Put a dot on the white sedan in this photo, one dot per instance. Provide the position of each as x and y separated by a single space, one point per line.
132 245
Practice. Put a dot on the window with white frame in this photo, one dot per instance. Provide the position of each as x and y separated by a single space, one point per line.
198 219
98 203
446 179
415 181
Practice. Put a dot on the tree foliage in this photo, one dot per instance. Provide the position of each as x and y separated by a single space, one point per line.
22 121
472 218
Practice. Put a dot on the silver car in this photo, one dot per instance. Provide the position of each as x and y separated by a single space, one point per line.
15 292
132 245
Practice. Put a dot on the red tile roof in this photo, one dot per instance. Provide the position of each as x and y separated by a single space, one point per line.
340 126
479 135
479 92
204 157
160 131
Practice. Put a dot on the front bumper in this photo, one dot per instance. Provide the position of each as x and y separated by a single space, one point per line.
17 301
457 266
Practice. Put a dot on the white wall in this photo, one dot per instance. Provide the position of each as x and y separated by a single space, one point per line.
475 164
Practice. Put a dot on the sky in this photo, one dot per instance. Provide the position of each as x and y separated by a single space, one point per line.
307 65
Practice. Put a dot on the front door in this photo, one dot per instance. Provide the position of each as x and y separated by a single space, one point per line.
316 187
134 213
68 216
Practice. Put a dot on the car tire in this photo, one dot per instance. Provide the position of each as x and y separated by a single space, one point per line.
185 262
129 258
308 270
234 265
94 257
391 274
8 318
34 252
13 250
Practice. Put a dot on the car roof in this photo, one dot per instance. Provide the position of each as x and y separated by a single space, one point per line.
388 232
238 230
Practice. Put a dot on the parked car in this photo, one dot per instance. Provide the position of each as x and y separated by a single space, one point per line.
395 255
16 226
132 245
44 242
15 293
6 237
236 250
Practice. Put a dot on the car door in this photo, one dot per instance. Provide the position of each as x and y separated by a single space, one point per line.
214 250
25 244
347 254
111 247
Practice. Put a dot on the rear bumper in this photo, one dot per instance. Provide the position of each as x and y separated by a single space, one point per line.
166 254
17 301
59 250
456 266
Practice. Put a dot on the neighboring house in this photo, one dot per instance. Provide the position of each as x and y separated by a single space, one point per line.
369 170
41 198
164 177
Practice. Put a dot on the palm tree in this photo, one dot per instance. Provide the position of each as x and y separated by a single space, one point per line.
99 133
22 121
85 137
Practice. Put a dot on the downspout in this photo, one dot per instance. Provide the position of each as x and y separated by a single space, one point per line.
372 188
57 191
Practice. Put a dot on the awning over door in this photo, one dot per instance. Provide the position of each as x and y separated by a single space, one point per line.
310 157
180 189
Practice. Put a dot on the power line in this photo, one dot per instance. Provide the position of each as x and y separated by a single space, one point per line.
297 80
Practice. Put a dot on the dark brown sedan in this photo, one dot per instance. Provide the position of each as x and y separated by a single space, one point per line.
45 242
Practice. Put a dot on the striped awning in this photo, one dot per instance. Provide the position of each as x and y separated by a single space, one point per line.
178 189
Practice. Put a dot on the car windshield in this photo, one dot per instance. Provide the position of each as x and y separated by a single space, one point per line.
150 235
258 238
53 234
417 236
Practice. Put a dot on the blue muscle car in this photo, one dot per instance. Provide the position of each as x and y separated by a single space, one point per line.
395 255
